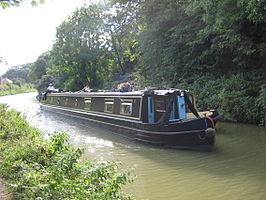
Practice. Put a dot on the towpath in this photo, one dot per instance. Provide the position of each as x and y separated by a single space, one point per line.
3 193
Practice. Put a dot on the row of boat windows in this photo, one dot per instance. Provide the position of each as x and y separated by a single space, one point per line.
125 104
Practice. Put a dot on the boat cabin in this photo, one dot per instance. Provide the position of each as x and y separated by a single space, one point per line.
145 106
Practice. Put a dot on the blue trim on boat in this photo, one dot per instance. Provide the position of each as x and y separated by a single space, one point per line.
181 107
150 110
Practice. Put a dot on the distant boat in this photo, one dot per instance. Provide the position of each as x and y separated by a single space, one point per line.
166 118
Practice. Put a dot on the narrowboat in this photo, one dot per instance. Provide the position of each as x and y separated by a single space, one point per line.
167 118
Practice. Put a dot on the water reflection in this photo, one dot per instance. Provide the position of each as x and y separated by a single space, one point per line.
234 170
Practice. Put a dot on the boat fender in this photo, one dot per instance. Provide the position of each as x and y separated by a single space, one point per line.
210 132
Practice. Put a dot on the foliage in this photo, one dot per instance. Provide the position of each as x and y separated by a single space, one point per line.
20 78
19 82
13 126
38 72
81 53
92 48
261 102
124 29
8 3
6 87
43 83
20 71
38 168
238 97
237 34
18 86
18 91
40 67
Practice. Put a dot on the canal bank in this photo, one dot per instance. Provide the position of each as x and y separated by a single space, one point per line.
38 167
234 170
3 191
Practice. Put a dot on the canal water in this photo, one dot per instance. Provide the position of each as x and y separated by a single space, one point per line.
235 169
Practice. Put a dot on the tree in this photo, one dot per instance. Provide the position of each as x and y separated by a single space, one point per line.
43 83
20 71
124 27
8 3
40 67
180 39
81 54
236 29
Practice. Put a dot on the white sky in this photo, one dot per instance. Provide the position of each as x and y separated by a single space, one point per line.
26 32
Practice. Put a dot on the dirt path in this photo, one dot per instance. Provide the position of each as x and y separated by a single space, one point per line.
3 193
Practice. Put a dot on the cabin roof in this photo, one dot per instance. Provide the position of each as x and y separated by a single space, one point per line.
108 93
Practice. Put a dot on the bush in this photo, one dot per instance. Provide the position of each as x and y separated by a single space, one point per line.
261 102
6 87
16 88
38 168
239 97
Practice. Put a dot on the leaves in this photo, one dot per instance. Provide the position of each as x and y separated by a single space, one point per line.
8 3
81 54
33 3
38 168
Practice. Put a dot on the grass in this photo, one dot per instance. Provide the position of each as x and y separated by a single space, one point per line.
37 168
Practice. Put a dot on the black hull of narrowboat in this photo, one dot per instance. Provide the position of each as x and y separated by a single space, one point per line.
192 134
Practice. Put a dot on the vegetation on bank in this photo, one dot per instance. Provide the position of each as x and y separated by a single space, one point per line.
39 168
238 97
18 91
21 82
16 88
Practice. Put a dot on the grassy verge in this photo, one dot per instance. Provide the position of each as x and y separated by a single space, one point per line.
9 92
38 168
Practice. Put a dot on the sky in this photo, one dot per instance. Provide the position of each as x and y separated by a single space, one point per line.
26 32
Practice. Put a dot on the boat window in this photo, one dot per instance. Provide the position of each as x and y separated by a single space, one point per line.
87 102
109 105
191 98
126 106
160 105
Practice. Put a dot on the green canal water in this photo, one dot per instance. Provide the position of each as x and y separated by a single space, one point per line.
235 169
